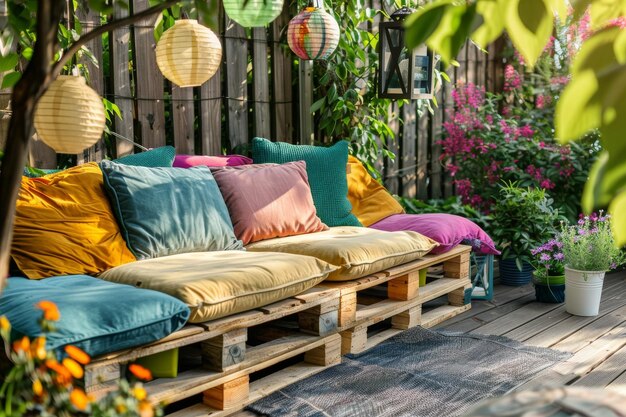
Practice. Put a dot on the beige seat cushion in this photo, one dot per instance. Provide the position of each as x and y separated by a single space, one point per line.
358 251
221 283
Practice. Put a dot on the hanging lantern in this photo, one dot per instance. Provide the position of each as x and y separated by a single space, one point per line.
70 116
253 13
188 54
403 74
313 34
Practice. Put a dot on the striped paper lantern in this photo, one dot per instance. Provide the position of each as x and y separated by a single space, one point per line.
70 117
253 13
313 34
188 54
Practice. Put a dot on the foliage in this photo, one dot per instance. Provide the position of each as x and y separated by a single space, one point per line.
522 219
589 245
346 103
492 138
548 259
594 98
452 205
39 384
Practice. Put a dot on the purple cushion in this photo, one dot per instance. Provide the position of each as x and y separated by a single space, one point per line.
188 161
447 229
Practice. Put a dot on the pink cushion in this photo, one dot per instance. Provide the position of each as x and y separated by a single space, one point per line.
268 200
188 161
447 229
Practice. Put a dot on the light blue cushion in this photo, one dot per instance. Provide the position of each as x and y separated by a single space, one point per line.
166 211
96 316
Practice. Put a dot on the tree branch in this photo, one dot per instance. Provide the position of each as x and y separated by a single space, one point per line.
100 30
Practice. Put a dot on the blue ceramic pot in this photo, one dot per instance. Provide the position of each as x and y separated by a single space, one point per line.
510 275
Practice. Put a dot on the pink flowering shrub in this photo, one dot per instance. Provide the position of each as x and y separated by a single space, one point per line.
490 138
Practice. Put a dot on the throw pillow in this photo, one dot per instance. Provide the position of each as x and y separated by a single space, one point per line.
188 161
326 170
157 157
64 225
165 211
447 229
267 200
370 201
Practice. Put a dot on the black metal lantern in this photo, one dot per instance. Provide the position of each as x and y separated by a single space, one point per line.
403 74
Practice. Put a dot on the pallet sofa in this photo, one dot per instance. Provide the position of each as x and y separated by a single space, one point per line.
161 252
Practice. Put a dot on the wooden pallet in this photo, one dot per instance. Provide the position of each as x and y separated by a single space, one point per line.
222 342
404 298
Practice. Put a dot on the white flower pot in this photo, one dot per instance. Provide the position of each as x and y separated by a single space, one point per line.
583 290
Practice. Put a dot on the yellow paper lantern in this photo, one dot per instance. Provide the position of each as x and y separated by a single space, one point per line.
188 54
70 116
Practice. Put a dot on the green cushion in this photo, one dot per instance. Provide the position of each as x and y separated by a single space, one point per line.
157 157
326 169
166 211
96 316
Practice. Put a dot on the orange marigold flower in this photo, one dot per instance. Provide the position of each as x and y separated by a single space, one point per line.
22 345
50 310
38 348
74 367
77 354
140 393
37 388
79 399
145 409
63 377
4 323
140 372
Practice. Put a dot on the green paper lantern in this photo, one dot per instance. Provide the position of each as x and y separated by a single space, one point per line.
253 13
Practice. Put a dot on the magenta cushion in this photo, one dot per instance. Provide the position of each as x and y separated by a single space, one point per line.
188 161
446 229
268 200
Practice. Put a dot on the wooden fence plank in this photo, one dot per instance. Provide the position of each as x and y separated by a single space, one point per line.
260 68
423 142
149 81
408 157
436 169
448 187
236 49
392 180
120 44
283 116
183 115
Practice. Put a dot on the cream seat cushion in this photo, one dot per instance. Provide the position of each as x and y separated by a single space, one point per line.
221 283
357 251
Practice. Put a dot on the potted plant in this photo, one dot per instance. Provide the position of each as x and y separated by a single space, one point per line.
549 274
589 251
522 219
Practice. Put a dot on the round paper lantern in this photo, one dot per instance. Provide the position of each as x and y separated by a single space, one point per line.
188 53
70 117
313 34
253 13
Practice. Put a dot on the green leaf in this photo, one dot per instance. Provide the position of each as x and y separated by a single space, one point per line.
559 7
529 25
423 23
603 11
9 62
453 31
593 196
10 79
618 218
578 110
492 26
317 105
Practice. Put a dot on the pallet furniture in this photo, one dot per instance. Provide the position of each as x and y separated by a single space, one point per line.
404 298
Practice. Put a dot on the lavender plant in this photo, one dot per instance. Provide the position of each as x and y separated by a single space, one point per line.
548 259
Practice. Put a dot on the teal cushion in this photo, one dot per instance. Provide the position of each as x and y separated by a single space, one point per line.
326 169
166 211
96 316
157 157
36 172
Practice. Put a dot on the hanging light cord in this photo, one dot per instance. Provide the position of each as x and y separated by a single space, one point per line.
117 135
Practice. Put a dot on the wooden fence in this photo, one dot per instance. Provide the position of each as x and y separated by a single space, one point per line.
255 93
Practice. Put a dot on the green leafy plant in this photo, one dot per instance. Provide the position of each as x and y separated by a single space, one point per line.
589 245
522 219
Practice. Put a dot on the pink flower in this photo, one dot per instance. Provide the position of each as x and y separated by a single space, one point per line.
543 100
619 22
512 79
547 184
525 131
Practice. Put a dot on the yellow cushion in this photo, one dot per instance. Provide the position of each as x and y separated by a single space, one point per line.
370 201
64 225
357 251
221 283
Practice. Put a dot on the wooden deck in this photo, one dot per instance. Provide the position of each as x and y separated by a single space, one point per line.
597 344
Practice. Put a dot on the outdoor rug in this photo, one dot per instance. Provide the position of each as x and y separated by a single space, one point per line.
416 373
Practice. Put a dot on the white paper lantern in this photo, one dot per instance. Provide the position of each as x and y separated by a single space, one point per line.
188 54
70 116
253 13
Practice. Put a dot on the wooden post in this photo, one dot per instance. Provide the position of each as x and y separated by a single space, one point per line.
320 320
354 340
101 377
457 267
405 287
347 308
229 394
327 354
224 351
407 319
458 297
